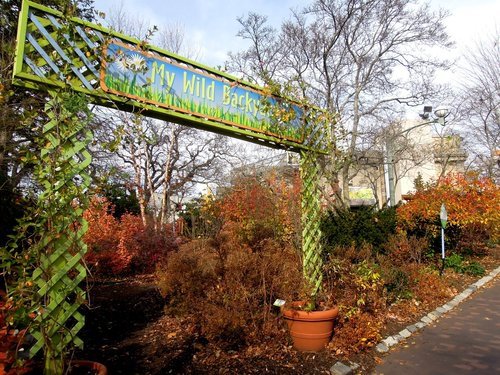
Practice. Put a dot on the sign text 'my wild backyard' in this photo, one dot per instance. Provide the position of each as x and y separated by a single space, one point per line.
156 80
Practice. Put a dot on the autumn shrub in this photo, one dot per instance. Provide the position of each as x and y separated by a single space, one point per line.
229 290
356 333
227 283
359 292
397 283
428 287
473 206
259 209
354 276
404 249
122 246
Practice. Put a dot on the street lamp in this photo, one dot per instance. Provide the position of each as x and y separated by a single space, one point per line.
440 113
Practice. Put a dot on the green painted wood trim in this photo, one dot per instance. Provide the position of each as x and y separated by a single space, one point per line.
116 102
138 42
21 37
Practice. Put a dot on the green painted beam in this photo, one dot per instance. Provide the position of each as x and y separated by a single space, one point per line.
25 76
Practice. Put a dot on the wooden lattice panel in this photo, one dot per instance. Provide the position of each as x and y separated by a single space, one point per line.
63 160
311 216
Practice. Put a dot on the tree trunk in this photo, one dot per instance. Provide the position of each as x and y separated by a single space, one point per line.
138 184
352 146
166 181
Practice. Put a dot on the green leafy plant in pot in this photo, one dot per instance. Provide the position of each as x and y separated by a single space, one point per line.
311 328
311 322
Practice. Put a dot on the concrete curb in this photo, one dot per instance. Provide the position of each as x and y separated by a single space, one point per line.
340 368
390 341
384 346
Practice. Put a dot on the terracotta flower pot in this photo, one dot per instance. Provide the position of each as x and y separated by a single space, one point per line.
311 331
88 367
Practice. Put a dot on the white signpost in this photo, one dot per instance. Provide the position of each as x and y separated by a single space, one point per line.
443 215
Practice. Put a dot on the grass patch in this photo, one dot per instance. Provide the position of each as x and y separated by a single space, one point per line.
129 86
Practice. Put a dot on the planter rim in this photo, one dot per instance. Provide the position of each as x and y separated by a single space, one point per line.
317 315
99 367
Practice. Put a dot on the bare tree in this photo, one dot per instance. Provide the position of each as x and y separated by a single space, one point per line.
361 58
480 105
162 158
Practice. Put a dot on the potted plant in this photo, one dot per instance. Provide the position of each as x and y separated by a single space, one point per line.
310 323
310 319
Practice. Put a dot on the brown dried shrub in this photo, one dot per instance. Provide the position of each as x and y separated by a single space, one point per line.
353 253
228 289
182 280
359 292
429 288
403 249
356 333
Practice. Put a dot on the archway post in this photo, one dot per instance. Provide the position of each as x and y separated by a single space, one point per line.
61 172
311 172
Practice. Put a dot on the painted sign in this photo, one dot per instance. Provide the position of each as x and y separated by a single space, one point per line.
164 82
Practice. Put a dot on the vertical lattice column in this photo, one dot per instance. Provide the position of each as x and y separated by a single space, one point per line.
60 171
310 170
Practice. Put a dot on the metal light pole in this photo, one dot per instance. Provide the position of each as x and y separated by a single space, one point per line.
440 114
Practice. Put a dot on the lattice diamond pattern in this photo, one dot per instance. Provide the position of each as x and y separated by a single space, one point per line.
61 172
311 212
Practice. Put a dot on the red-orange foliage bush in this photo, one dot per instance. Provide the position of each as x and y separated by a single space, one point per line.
473 206
254 210
122 246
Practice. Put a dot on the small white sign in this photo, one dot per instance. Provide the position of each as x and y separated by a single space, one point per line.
279 302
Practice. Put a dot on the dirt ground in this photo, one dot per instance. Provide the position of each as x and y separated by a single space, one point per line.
127 330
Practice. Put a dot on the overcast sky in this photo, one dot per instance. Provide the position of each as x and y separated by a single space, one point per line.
212 26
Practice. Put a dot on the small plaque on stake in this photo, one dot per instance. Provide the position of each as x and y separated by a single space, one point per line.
443 215
279 302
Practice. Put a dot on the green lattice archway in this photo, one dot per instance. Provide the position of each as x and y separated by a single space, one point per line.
78 63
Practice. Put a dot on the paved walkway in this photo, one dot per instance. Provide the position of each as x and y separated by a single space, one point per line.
464 341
